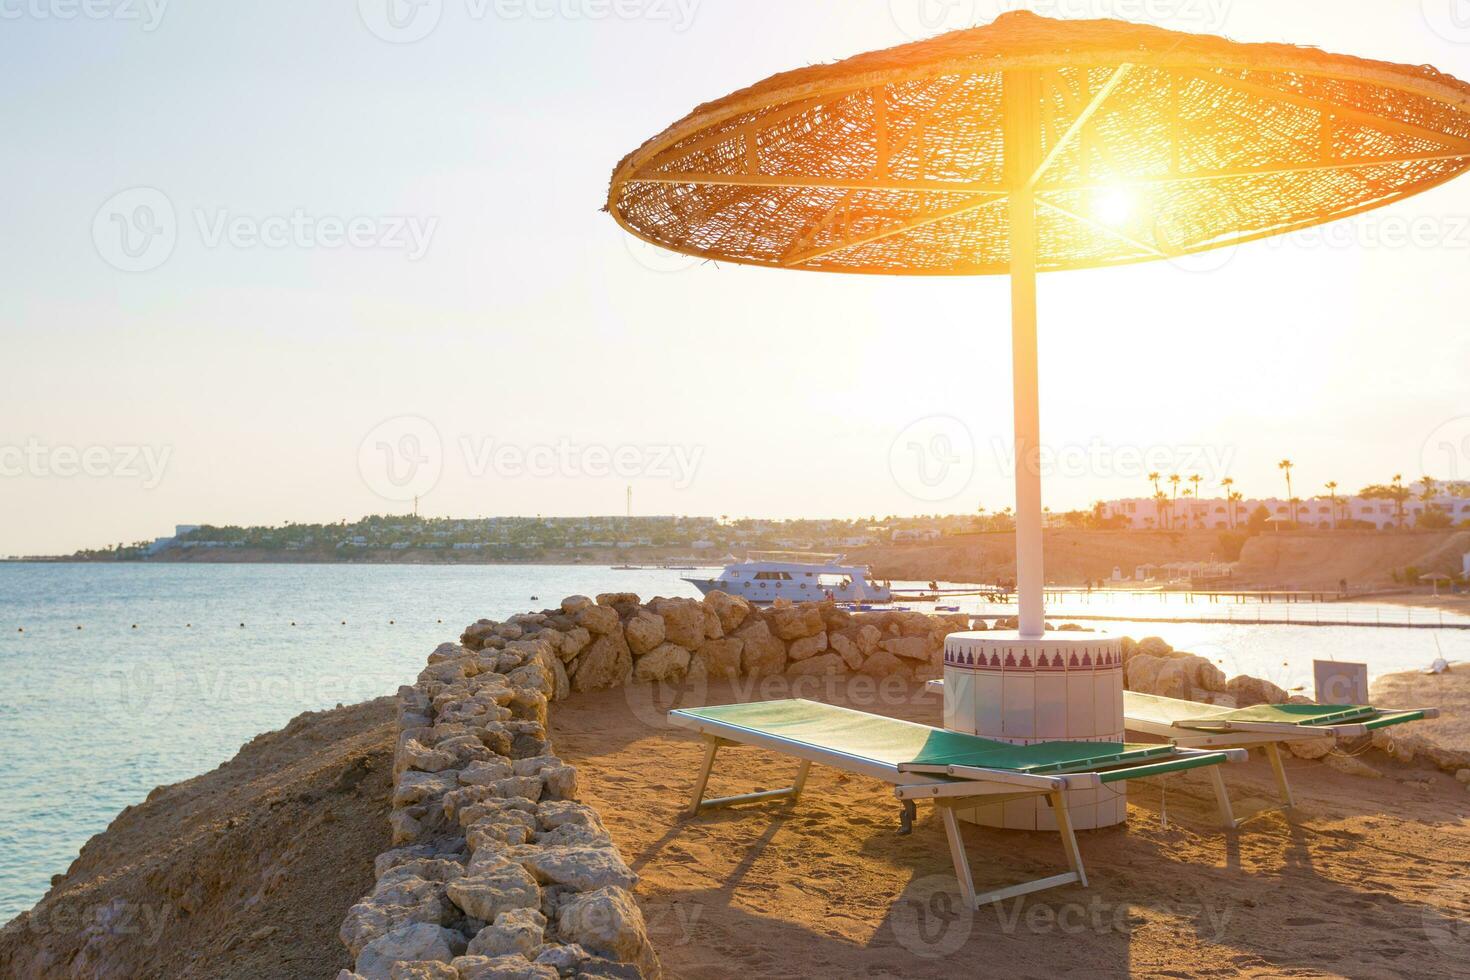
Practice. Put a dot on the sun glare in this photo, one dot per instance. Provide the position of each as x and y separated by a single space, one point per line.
1113 206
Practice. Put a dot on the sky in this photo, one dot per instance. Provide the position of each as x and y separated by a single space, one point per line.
376 268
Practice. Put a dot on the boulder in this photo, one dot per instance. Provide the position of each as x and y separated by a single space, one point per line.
502 968
796 622
573 642
574 604
1154 646
668 662
502 887
1143 672
730 610
581 869
1249 691
827 663
908 648
644 631
683 621
415 787
807 647
881 664
413 754
517 932
422 970
597 620
846 647
608 922
407 943
867 638
485 773
1314 748
607 663
721 658
1173 680
761 655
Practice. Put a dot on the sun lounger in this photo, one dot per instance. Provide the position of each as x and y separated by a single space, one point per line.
949 769
1204 726
1196 725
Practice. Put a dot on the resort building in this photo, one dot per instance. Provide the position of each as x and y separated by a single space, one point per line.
1187 512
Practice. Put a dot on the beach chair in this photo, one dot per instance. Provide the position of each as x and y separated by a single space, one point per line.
949 769
1201 726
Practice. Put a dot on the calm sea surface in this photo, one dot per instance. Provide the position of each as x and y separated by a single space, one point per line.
92 719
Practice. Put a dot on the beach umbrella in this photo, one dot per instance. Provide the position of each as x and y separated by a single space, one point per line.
1032 145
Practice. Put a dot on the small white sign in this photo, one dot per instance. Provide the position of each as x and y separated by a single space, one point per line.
1340 683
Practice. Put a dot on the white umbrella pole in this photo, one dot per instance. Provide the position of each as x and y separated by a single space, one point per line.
1023 154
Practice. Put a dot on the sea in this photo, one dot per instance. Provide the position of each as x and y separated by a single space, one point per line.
118 678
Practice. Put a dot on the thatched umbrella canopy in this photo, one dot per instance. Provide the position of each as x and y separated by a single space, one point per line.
1031 145
1152 143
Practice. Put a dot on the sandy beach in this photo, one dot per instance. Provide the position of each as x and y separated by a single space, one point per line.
828 887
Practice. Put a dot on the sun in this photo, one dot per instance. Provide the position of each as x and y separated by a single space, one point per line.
1114 206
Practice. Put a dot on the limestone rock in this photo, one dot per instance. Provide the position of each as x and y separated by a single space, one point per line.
645 631
413 754
683 621
503 968
415 787
907 648
762 654
1143 672
486 772
721 658
564 959
881 664
517 932
1249 691
668 662
491 891
827 663
731 610
796 622
407 943
807 647
1313 748
423 970
846 647
1173 680
1154 646
581 869
607 921
597 620
574 604
573 642
607 663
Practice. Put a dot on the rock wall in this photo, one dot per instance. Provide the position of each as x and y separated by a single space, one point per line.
498 871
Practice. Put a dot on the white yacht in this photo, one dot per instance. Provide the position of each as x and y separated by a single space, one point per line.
799 577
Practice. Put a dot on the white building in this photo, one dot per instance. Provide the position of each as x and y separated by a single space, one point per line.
1145 513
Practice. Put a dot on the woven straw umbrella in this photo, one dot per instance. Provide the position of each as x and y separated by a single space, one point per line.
1033 145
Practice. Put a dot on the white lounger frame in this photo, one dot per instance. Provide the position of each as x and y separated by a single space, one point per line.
971 787
1206 733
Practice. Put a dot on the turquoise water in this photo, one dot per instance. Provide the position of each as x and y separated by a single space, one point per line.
92 719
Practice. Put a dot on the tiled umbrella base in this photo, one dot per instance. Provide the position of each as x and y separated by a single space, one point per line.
1064 687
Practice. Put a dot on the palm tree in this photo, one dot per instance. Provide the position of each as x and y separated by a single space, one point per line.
1400 494
1227 483
1285 466
1194 482
1234 498
1174 504
1332 495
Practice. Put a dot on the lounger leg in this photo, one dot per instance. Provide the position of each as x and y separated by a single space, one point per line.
1222 799
1273 752
962 861
800 783
711 746
958 856
1069 839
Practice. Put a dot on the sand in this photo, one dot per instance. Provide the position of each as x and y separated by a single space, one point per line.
1368 880
244 872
